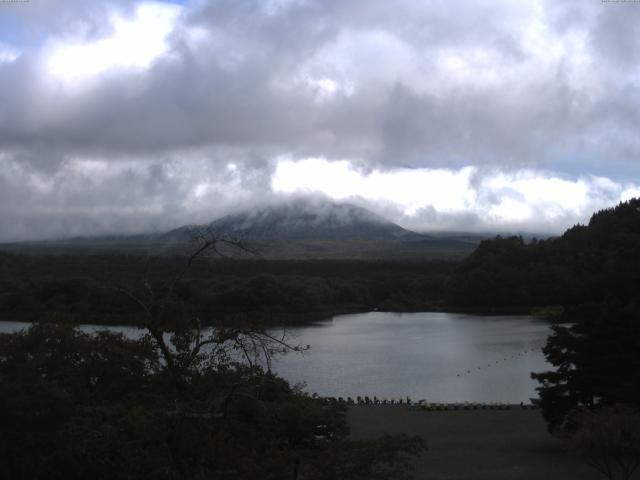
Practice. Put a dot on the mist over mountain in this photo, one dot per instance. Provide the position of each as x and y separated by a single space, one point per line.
303 228
312 228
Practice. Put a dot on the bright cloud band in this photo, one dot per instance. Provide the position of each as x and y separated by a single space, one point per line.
537 199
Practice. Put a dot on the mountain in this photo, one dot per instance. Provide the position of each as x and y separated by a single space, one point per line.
321 229
298 229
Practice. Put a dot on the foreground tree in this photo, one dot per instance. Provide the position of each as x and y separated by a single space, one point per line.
592 398
78 405
596 363
181 402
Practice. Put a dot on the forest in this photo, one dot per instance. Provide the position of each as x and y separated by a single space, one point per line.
592 273
588 264
87 289
179 403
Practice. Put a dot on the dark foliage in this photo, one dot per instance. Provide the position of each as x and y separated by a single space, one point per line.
182 402
75 289
74 405
597 363
593 273
588 264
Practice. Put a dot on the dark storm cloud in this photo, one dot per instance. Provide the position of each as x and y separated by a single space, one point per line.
501 85
237 87
135 196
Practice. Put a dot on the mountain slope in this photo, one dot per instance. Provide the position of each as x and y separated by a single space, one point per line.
299 229
314 229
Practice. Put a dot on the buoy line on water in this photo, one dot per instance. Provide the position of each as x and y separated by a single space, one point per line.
497 362
433 406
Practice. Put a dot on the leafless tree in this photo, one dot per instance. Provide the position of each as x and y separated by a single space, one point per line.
183 343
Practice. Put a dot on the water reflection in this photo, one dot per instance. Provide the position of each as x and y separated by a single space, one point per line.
437 356
441 357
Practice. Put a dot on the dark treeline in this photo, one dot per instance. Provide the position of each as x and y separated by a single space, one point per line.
181 402
593 273
86 288
79 406
586 265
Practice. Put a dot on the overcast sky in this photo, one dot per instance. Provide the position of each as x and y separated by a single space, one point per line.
121 116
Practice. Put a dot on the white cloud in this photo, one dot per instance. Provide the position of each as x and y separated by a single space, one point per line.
413 189
93 195
134 43
8 53
630 192
438 198
179 110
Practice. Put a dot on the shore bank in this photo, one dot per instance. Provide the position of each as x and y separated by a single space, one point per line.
475 444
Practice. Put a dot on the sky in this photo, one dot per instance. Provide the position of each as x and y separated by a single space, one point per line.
484 116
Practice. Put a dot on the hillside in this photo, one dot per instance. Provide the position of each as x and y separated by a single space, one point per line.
303 229
589 263
320 229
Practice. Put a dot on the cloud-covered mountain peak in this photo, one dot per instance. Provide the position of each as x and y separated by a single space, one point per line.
306 217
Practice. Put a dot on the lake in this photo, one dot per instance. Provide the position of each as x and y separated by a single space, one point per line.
435 356
441 357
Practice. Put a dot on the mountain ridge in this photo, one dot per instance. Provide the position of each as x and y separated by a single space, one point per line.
295 229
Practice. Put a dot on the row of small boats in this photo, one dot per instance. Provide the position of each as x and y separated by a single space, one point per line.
429 406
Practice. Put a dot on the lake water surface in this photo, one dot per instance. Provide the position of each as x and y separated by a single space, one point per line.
437 356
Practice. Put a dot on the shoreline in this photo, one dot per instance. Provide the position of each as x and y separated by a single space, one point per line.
282 319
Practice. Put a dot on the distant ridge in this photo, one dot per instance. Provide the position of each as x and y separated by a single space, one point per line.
322 229
297 229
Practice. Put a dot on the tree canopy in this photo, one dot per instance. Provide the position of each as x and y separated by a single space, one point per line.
181 402
587 264
592 273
